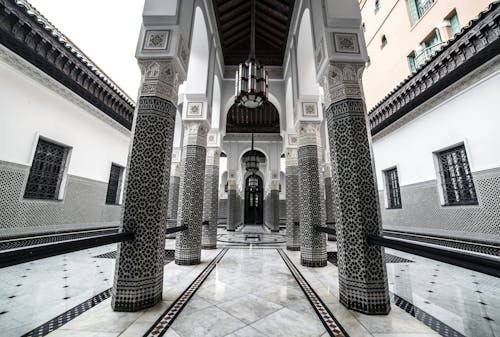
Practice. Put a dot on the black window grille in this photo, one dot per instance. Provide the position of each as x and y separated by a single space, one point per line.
115 176
392 188
46 171
456 177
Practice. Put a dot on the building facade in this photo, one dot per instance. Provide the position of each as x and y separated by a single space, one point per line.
401 35
65 132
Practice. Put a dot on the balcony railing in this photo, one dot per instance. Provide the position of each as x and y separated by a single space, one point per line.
426 54
423 6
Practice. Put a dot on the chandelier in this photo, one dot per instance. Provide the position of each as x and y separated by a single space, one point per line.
253 182
251 83
252 161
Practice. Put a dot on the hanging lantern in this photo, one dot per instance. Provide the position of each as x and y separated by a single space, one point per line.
251 82
253 182
252 161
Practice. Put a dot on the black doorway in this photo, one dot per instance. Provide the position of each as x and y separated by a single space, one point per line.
254 203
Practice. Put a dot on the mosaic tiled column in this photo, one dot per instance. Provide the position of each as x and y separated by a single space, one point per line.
139 269
232 205
188 242
173 197
312 241
362 274
329 206
211 199
274 205
292 200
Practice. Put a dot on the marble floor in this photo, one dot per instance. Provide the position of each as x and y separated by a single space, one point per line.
250 292
33 293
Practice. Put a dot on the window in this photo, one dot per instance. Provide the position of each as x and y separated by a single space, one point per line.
411 63
46 172
456 177
418 8
383 41
427 49
454 24
114 184
392 188
377 5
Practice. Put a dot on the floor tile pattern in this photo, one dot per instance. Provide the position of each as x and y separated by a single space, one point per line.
329 321
67 316
162 325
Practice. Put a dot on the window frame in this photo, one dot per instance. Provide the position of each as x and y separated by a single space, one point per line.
388 192
61 188
441 185
119 187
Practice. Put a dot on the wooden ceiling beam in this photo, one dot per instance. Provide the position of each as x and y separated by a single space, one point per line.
235 29
241 10
262 33
276 24
277 5
238 37
229 5
272 12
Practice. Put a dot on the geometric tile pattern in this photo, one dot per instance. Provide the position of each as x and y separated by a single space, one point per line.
69 315
312 241
330 215
83 205
231 210
188 242
429 320
169 256
139 272
331 324
210 207
423 213
389 258
362 274
173 203
161 326
40 240
292 208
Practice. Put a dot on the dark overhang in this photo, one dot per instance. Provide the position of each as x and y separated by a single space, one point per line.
475 45
27 33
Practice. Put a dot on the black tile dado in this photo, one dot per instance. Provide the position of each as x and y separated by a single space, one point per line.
389 258
57 322
169 256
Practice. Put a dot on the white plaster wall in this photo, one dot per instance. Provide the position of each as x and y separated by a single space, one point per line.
29 109
471 117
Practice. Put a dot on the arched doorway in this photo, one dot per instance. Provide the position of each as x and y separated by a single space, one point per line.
254 202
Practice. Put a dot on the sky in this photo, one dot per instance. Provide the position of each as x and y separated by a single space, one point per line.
105 30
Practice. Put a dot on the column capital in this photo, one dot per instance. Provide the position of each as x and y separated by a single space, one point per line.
175 169
195 133
274 185
231 184
161 78
291 157
213 155
342 80
309 132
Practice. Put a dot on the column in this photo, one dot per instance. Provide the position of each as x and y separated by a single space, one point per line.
139 270
274 205
312 242
232 204
292 200
330 216
362 274
211 199
173 196
188 242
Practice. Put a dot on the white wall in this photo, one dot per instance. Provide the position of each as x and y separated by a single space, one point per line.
471 117
29 109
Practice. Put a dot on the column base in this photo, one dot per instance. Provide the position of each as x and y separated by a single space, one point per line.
295 249
129 305
188 262
214 246
381 309
370 299
313 264
230 230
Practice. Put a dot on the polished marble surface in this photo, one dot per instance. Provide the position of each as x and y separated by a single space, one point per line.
33 293
466 300
251 292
